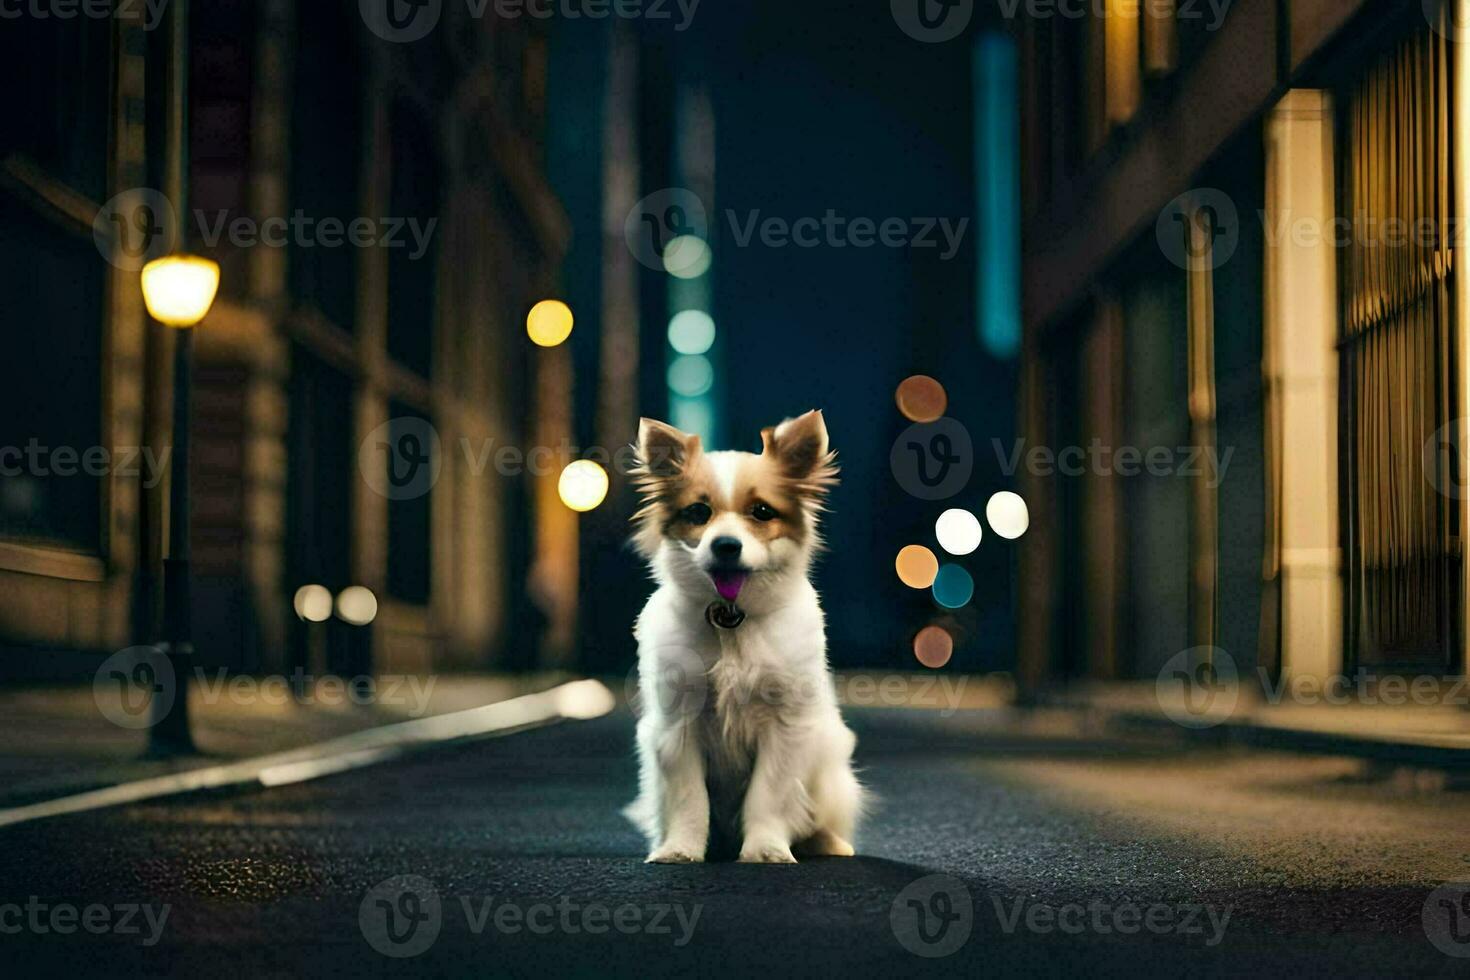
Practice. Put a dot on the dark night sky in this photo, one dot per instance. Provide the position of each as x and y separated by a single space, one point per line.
827 105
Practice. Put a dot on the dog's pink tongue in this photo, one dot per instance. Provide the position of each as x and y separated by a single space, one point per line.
729 584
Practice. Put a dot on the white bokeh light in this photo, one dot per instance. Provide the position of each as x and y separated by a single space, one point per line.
692 332
357 606
1007 515
687 257
313 603
958 531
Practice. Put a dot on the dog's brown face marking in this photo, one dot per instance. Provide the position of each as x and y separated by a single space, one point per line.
749 486
774 494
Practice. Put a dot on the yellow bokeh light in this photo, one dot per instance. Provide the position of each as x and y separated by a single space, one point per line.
549 323
917 566
583 485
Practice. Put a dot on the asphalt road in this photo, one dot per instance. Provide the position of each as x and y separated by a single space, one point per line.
1056 853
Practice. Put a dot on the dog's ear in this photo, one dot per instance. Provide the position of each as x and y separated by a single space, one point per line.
663 456
664 451
799 448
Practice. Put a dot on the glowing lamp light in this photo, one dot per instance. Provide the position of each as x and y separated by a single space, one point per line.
583 485
179 289
953 587
691 375
1007 515
549 323
357 606
687 257
958 531
921 399
692 332
933 647
313 603
917 566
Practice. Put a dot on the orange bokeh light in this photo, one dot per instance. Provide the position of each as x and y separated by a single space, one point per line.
933 647
921 399
917 567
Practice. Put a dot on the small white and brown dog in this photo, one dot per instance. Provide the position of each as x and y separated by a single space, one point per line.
741 744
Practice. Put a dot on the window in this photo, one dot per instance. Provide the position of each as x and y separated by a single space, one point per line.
1399 373
326 156
412 266
410 532
54 139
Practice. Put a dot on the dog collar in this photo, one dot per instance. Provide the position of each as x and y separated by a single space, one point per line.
724 615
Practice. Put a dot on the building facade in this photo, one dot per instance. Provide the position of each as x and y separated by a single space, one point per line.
383 221
1246 313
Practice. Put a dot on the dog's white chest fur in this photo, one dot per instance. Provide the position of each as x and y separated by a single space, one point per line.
750 714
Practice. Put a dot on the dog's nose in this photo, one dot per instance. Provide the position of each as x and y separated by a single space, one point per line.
725 548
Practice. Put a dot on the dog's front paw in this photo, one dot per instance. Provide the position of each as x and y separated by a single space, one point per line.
766 852
675 854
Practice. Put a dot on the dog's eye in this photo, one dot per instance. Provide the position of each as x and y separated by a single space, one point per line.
696 514
764 512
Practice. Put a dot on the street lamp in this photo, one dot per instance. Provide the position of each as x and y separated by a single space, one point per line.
178 290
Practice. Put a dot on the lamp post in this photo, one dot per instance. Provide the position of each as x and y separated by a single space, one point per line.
178 289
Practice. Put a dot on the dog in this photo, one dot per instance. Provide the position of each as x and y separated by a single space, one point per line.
741 746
